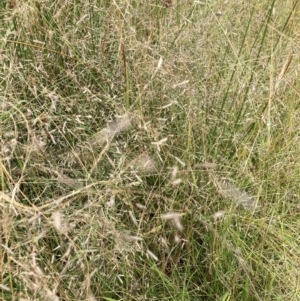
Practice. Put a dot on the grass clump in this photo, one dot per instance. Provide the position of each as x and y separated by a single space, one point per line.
149 150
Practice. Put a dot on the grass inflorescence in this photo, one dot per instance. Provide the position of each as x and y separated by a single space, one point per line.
149 150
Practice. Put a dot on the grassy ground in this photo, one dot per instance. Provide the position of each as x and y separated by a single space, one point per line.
149 150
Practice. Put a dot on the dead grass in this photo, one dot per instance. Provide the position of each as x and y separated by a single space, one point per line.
133 137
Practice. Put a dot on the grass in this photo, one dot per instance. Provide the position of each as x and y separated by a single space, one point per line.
149 150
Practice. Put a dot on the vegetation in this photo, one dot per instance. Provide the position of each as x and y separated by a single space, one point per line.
149 150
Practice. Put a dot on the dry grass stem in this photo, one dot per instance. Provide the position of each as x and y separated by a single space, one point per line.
119 121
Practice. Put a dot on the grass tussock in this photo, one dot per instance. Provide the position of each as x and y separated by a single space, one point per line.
149 150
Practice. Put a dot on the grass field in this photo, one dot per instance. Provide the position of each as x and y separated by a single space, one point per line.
149 150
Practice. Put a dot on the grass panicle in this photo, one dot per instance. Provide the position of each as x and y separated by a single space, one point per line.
149 150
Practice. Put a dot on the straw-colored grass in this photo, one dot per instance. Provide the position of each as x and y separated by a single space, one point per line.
149 150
